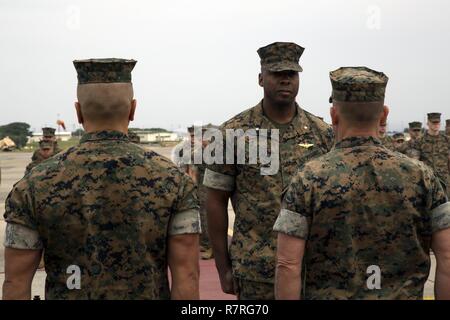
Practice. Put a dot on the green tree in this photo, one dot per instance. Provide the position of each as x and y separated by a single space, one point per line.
17 131
78 133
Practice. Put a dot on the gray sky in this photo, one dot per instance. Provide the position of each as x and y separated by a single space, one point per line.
197 59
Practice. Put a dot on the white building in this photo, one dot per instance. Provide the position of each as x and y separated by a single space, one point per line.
155 137
60 136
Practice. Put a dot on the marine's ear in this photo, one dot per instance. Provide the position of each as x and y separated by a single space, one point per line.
260 80
132 110
79 114
384 115
334 116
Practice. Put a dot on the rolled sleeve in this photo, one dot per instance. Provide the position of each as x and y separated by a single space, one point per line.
220 181
21 237
292 224
440 217
187 222
19 206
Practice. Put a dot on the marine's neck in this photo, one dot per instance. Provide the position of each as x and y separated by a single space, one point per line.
90 127
432 133
344 133
281 114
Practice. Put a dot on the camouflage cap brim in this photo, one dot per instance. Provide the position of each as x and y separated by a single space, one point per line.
109 70
283 66
358 84
281 56
415 125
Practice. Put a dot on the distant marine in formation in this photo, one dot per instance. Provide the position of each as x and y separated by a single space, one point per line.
48 135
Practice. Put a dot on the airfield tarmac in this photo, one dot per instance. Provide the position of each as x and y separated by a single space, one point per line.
12 169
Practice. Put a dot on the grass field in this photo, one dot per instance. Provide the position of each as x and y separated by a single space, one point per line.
61 144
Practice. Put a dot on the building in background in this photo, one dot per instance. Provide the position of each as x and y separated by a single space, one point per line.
60 136
157 137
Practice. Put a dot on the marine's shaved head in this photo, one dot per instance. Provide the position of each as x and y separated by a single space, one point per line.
360 113
351 119
105 102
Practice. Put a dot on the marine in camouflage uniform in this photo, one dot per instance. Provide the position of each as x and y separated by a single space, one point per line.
434 150
386 140
415 132
362 205
399 142
48 136
107 206
256 198
45 151
178 151
197 172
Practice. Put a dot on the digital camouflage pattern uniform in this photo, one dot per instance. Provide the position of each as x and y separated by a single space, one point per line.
399 142
447 127
408 147
107 206
40 157
387 141
198 170
48 135
256 198
362 205
435 152
199 173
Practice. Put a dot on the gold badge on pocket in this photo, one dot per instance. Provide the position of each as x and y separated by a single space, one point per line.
306 145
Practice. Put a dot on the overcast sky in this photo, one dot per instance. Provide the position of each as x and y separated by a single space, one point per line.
197 60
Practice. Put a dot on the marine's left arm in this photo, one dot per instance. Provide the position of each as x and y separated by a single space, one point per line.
20 267
439 207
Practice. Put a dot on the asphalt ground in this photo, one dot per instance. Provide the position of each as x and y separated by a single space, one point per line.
12 169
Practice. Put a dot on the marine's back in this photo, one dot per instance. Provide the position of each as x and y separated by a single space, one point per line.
370 207
105 206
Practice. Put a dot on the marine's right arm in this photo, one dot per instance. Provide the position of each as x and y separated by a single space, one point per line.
183 243
23 246
217 221
220 183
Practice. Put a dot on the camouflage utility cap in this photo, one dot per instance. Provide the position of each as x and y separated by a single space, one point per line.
399 136
48 132
415 125
434 117
104 70
281 56
358 84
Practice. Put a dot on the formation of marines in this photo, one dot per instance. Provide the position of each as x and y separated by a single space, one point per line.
344 200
